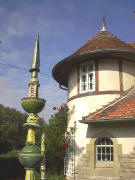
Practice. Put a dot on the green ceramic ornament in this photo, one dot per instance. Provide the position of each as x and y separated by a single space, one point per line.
30 156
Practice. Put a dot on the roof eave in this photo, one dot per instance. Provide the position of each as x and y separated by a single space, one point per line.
62 69
92 121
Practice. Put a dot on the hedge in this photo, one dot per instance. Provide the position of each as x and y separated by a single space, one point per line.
10 167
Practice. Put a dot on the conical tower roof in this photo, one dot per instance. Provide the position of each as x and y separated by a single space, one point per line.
104 40
102 45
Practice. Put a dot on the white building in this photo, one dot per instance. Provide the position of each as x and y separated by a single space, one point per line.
100 78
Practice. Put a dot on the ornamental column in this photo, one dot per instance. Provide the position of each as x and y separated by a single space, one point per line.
31 155
42 167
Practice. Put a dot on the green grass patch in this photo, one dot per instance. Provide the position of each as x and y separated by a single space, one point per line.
50 176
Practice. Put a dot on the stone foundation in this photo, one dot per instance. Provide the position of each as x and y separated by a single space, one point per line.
82 171
127 169
99 178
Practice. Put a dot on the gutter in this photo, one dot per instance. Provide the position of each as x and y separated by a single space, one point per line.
63 88
106 120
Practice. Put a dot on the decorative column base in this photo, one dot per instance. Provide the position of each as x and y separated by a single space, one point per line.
30 174
42 170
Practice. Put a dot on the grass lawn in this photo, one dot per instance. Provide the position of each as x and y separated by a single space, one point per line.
52 177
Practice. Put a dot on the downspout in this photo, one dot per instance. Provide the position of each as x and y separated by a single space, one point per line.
63 88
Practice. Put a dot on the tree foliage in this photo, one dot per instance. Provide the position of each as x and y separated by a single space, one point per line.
54 133
12 132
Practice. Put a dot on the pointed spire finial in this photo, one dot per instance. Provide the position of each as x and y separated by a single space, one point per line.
35 59
103 25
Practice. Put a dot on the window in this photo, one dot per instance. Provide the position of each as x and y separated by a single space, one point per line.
87 77
104 149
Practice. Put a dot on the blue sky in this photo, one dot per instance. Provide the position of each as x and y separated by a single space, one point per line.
63 26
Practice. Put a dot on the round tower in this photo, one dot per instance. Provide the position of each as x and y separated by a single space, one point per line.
96 74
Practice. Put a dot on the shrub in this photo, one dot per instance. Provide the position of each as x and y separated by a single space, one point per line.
10 166
55 177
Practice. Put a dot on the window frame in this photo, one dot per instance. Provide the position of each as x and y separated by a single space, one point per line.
87 64
109 154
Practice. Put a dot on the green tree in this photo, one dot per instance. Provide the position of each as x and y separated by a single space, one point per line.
39 131
12 132
54 133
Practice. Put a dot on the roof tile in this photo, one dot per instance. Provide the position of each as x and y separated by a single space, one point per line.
123 107
105 40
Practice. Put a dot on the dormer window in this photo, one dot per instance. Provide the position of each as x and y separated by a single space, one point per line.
87 77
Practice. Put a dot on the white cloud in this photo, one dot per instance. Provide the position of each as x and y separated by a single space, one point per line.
32 19
54 96
11 95
22 24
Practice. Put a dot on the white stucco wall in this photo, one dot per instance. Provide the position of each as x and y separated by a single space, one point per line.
128 69
124 132
108 79
72 83
81 107
109 75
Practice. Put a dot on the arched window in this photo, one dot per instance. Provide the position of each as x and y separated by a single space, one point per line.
104 149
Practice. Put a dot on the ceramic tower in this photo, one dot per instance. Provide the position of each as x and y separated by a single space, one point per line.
31 155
